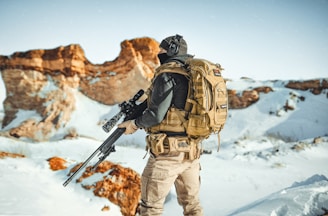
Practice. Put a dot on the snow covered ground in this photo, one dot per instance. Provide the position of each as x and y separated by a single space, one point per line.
267 163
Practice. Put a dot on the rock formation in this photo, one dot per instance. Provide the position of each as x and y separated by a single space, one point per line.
315 86
247 97
119 185
44 82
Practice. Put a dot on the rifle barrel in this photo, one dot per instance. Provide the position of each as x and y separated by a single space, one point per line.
81 167
104 148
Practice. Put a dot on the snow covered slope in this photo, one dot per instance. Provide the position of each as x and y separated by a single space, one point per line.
267 163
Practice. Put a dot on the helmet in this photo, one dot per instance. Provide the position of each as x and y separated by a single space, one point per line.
174 45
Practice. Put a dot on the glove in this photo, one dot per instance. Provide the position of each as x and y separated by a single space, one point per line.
130 126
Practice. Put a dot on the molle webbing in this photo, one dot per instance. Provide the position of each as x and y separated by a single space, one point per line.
175 119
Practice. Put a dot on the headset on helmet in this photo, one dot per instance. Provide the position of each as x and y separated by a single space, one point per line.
174 45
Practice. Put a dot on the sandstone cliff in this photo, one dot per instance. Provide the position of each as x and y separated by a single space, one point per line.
44 82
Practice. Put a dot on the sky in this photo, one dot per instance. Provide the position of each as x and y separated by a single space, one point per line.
260 39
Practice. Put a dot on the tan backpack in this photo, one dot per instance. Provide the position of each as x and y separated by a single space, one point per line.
207 102
206 107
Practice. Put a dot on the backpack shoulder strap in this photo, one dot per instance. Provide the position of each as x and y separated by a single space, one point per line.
171 67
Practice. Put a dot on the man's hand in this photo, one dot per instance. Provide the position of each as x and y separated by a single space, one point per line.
130 126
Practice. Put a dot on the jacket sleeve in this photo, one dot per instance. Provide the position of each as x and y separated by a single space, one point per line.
159 103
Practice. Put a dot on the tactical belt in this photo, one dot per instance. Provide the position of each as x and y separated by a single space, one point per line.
163 145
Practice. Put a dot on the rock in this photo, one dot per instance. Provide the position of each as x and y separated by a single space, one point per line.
44 83
318 140
67 60
247 98
119 80
118 184
105 208
263 89
12 155
315 86
57 163
48 100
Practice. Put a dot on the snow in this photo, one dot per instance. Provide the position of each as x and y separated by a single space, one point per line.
256 172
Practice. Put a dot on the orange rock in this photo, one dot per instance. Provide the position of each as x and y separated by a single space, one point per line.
105 208
57 163
13 155
45 82
119 185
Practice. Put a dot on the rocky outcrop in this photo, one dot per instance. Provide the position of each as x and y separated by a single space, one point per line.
118 184
69 60
315 86
246 98
45 83
48 100
132 70
109 83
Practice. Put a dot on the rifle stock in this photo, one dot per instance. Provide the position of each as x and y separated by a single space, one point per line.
131 111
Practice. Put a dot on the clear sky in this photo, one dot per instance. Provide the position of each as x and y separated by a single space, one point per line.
261 39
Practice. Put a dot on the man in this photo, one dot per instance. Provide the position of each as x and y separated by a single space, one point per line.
170 161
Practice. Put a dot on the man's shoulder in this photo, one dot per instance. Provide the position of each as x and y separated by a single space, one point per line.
171 67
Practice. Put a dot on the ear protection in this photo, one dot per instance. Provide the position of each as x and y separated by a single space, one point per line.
174 45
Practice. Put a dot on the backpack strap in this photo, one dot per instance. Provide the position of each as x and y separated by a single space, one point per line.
171 67
178 66
179 61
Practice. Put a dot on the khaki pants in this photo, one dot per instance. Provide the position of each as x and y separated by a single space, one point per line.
158 177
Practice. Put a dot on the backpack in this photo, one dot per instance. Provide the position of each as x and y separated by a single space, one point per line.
207 100
206 107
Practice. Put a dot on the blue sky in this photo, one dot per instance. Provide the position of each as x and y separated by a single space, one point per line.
261 39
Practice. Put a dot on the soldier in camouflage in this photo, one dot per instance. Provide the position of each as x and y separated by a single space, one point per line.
170 160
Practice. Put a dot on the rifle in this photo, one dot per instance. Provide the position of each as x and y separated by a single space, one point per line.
131 111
